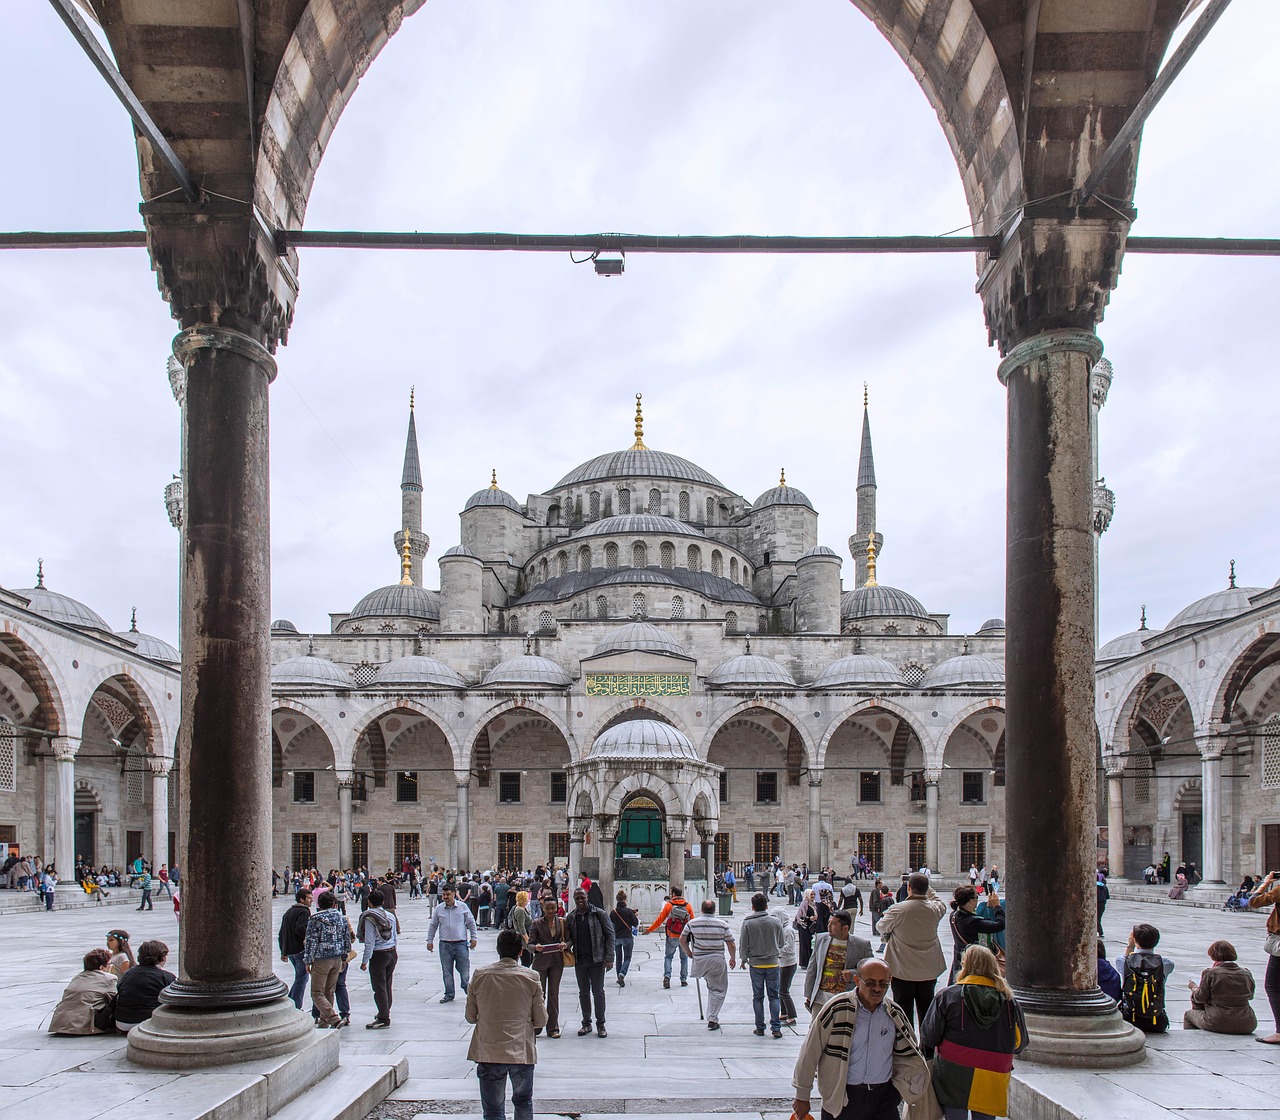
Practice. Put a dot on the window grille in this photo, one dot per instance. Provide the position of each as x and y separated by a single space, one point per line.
677 606
1142 777
746 575
702 611
891 628
559 787
611 556
303 850
304 786
711 511
135 765
973 787
767 847
766 787
717 563
510 850
1271 753
562 563
722 849
602 607
387 628
8 758
359 786
365 674
917 785
869 786
871 845
913 673
546 569
667 555
546 624
684 505
406 785
731 622
624 501
513 624
509 787
724 787
694 558
558 847
359 849
639 555
973 850
917 849
655 501
584 558
639 608
595 505
406 845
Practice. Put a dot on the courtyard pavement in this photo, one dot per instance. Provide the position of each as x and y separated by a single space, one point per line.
659 1057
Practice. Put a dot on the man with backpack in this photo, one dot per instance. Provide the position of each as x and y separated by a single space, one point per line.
1143 973
673 917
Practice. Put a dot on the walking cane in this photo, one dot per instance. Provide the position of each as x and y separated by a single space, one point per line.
697 983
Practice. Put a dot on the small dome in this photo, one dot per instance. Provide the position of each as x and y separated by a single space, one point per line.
284 626
63 608
750 670
311 672
991 626
820 550
148 645
881 602
419 669
629 524
783 496
398 600
459 550
1126 645
642 636
862 670
967 669
526 671
492 496
638 463
642 739
1212 608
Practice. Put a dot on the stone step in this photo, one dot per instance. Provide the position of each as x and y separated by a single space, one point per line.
70 898
350 1092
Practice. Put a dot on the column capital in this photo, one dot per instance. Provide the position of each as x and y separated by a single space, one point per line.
346 779
64 749
462 779
814 779
159 766
1048 342
578 828
1113 765
1212 747
205 337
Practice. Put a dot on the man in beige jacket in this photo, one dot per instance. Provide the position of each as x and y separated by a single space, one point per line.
913 952
504 1001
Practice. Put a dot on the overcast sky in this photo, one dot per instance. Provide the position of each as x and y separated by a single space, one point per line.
655 117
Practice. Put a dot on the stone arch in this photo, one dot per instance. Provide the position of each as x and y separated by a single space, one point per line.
1184 791
1249 655
299 707
121 676
1136 691
407 706
88 791
977 707
888 706
642 707
645 782
524 705
40 670
764 703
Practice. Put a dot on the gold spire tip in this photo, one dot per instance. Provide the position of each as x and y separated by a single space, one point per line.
406 562
639 443
782 477
493 479
871 562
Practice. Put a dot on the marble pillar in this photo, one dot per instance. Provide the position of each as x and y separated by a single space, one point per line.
64 820
606 843
577 834
676 839
464 824
1115 822
1211 751
815 823
931 839
346 783
159 811
1051 738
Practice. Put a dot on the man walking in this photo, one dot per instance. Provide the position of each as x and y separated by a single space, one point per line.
864 1053
590 937
706 940
328 941
458 934
293 938
377 929
834 961
913 953
673 917
505 1004
144 881
163 876
760 941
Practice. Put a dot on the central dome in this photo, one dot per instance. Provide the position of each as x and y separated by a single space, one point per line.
638 463
398 600
642 739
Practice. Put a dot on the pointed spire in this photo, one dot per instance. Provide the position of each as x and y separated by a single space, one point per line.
639 443
406 562
40 572
133 621
866 460
1143 623
1232 579
493 479
871 563
411 476
782 478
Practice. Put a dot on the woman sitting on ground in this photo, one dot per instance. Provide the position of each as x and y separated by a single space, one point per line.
1220 1002
91 991
141 987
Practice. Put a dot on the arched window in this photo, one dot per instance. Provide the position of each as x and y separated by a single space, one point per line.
667 555
891 628
562 563
639 555
733 569
655 501
9 758
602 607
624 501
1271 753
684 505
513 624
711 511
1142 771
584 558
694 558
546 571
639 608
595 505
546 624
702 611
717 562
553 515
746 575
731 622
611 556
135 764
677 606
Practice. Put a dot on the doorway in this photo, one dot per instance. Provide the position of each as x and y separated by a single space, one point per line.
640 830
86 836
1193 839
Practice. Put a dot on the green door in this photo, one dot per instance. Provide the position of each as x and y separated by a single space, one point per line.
640 833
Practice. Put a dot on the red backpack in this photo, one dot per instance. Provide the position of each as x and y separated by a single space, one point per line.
678 918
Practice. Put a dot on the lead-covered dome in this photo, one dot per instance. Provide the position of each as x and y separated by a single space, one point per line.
526 671
783 496
459 550
398 600
967 669
1126 645
421 671
639 636
992 626
149 646
1213 608
309 672
492 496
63 608
862 670
640 462
283 626
881 601
750 671
629 524
642 739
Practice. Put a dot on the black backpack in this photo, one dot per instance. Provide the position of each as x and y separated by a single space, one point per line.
1142 993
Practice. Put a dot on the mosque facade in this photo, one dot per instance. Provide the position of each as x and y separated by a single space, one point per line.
638 663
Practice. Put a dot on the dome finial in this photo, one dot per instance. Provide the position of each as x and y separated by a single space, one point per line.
411 388
406 562
493 479
871 562
747 651
864 396
1142 625
40 572
133 621
782 477
311 646
639 443
1232 579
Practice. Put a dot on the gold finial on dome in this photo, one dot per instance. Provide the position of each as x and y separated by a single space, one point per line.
493 479
639 443
871 562
406 562
411 398
782 477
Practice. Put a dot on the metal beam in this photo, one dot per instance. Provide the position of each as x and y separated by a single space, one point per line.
141 118
1171 69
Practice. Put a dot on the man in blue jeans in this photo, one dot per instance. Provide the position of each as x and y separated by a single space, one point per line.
760 941
293 939
457 930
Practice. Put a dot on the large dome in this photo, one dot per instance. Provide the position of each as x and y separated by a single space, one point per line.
1212 608
642 739
63 608
966 669
638 463
419 670
880 601
628 524
398 600
526 671
309 672
750 671
642 636
862 670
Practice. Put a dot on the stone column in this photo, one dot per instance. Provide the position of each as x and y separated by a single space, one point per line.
677 835
815 823
931 839
226 1005
1115 820
1051 745
64 820
606 841
577 833
159 811
464 823
1211 751
346 782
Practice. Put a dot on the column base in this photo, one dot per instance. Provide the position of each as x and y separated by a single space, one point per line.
1079 1030
177 1038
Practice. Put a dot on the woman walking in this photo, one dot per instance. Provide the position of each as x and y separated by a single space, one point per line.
787 960
625 922
806 925
548 941
1268 894
975 1028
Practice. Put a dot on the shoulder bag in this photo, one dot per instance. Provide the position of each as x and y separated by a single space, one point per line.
566 954
996 951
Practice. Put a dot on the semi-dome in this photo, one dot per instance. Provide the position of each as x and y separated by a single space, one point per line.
459 550
63 608
1212 608
284 626
310 672
642 739
418 669
148 645
398 600
783 496
642 463
991 626
1126 645
862 670
750 670
526 671
881 601
629 524
966 669
641 636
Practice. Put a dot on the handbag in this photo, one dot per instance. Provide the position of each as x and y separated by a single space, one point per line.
996 951
104 1017
566 954
1272 944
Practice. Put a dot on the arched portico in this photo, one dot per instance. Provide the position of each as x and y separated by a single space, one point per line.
971 791
306 787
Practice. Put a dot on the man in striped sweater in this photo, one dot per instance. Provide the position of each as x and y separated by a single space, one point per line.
706 940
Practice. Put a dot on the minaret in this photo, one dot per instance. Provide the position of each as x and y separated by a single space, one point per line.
411 504
1104 500
866 534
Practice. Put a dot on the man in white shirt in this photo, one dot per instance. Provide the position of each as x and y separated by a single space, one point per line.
706 939
457 930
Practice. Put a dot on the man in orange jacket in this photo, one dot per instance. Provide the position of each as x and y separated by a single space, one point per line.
674 916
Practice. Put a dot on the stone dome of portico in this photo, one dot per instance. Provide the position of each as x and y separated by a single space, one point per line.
642 740
643 637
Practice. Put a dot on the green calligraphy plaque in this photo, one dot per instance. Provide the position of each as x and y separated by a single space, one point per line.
637 684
